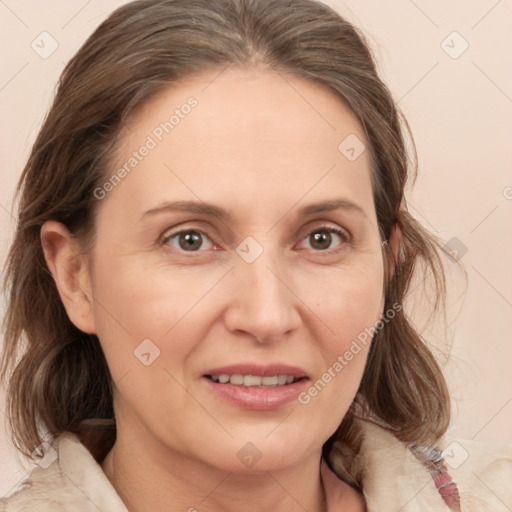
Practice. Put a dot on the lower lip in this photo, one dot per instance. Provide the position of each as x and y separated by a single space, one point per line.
256 398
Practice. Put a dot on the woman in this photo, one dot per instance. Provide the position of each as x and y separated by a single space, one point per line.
219 250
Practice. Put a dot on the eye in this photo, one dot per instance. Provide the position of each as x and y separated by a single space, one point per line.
189 240
193 240
325 238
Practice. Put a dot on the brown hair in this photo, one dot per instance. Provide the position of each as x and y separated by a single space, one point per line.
58 377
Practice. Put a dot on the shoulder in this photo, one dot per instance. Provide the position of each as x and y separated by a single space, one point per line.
45 489
394 478
69 479
483 472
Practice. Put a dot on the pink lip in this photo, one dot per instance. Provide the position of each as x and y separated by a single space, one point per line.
256 398
259 399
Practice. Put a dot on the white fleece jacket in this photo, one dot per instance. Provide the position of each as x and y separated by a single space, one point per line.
394 480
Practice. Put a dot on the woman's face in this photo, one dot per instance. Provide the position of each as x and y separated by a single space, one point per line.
240 242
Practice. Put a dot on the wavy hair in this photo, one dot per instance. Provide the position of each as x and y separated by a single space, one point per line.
57 376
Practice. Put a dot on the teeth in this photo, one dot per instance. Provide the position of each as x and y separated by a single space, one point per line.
269 381
251 380
237 379
254 380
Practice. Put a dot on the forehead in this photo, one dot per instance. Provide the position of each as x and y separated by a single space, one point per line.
243 103
235 135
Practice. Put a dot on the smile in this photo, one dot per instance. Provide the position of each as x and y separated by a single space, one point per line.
256 387
253 380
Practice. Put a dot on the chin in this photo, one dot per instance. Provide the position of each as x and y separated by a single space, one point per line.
261 452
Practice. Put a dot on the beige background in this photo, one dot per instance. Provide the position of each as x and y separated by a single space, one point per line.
460 112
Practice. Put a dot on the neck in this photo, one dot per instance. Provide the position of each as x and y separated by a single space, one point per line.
148 476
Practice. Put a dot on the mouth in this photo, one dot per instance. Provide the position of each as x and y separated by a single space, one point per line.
249 381
257 387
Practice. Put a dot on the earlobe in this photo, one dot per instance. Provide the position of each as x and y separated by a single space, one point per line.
70 273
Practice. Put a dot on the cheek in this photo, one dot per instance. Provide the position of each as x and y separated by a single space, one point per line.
150 323
350 304
135 302
347 300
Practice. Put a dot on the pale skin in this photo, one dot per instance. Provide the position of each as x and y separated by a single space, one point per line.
256 147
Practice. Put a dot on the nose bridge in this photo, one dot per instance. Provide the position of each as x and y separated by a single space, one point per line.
264 305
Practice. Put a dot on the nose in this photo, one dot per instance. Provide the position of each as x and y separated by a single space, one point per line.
263 301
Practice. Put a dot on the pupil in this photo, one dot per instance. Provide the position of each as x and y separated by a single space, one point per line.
321 240
190 241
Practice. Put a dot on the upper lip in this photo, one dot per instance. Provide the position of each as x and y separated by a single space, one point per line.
268 370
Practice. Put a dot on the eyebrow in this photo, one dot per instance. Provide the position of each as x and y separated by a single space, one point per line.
211 210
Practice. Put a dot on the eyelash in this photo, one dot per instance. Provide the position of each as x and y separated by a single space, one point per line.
329 229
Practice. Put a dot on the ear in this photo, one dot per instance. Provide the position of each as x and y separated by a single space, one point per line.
70 273
394 245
